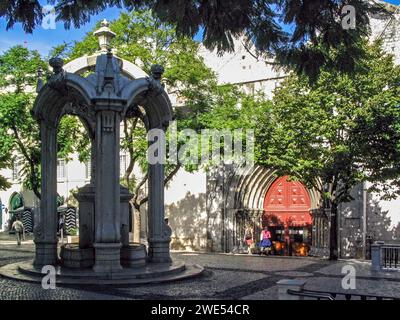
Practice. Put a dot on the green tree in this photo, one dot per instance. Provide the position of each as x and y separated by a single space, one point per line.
316 25
341 131
19 132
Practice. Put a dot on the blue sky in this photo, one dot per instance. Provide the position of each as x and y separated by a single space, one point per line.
43 40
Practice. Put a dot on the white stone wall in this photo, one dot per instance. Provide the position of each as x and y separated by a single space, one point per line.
185 207
244 68
75 177
6 195
389 31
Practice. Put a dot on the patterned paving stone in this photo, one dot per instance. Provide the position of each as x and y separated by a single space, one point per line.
226 277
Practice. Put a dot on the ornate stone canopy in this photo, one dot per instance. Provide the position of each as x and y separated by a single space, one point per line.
113 91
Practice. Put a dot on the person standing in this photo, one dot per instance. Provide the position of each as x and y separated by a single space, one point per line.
61 227
248 238
19 228
265 241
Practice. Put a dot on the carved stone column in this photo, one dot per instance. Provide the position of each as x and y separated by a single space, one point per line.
46 227
107 199
159 232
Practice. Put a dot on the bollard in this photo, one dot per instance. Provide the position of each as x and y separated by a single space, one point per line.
292 284
376 257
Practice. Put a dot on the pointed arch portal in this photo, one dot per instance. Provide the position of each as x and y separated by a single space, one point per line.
287 212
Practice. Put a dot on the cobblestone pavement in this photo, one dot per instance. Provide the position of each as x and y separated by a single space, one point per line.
226 277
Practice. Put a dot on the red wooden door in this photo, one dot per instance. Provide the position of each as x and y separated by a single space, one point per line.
287 203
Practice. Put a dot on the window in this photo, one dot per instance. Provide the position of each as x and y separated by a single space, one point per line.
123 164
60 169
16 171
88 169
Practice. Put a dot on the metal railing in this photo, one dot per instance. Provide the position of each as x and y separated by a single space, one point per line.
311 294
320 295
390 255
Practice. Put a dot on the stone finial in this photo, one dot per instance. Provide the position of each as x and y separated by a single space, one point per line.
157 71
105 23
57 64
105 35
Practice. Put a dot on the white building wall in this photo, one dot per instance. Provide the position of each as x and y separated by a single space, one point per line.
185 207
6 195
75 177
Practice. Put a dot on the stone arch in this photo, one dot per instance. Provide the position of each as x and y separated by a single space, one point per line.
246 196
251 185
157 106
74 97
87 63
102 100
15 196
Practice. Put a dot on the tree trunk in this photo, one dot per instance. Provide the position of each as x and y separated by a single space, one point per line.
333 232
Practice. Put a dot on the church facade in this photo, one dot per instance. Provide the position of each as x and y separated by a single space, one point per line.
213 209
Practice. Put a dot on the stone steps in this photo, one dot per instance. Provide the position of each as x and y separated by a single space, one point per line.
151 273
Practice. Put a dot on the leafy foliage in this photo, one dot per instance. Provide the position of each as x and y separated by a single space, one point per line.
19 132
340 131
315 25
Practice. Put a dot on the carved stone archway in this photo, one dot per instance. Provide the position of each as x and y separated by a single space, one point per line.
102 100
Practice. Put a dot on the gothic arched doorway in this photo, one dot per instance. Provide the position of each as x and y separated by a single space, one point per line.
287 207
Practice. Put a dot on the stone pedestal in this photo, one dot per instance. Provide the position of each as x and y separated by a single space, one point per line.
86 198
45 254
107 257
133 255
159 251
125 197
72 256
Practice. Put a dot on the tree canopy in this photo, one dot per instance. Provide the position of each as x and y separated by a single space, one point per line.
19 131
297 33
341 131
